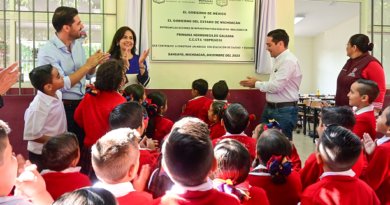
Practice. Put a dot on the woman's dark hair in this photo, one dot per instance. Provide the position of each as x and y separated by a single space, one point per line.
217 108
41 76
160 99
63 16
109 76
136 90
115 50
273 142
235 118
159 183
233 161
362 42
87 196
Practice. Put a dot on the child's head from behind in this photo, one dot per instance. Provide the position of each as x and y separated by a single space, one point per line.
46 78
8 163
129 115
160 99
220 90
199 88
215 111
272 142
115 156
87 196
363 92
61 152
233 161
383 122
338 149
137 91
188 152
110 76
341 115
235 118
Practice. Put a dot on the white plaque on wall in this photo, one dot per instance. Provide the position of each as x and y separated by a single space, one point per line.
203 30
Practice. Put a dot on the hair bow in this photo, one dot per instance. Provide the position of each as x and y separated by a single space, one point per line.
252 117
151 108
90 89
146 119
127 97
279 164
272 124
226 186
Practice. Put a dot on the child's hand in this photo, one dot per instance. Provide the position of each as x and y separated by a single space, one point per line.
183 108
325 104
150 144
21 164
139 182
368 144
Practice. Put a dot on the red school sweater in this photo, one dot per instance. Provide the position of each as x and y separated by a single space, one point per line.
135 198
339 190
163 127
58 183
209 197
295 160
217 130
312 171
247 141
93 114
286 194
146 157
194 106
377 174
204 112
365 123
257 197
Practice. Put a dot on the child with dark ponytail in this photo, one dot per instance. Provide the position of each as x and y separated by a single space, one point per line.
158 126
272 170
215 116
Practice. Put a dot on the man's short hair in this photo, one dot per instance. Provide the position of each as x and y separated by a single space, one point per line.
369 88
87 195
115 153
188 152
341 115
127 114
339 148
279 35
60 151
63 16
220 90
41 76
4 131
235 118
201 86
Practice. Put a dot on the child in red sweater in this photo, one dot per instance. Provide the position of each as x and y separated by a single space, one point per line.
87 195
273 169
188 160
194 106
93 112
220 92
115 161
233 167
62 174
158 126
337 151
136 92
377 174
363 92
215 115
235 119
342 116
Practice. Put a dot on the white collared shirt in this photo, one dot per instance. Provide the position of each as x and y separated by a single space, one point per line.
180 189
68 170
382 140
344 173
260 166
225 101
197 97
118 190
45 116
363 110
284 81
229 134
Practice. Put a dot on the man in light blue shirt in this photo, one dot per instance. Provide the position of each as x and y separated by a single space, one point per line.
67 54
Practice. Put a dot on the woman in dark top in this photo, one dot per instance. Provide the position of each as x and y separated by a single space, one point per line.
123 48
360 65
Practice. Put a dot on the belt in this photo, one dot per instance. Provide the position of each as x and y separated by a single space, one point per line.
282 104
71 102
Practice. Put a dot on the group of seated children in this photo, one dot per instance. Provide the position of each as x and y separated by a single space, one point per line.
133 155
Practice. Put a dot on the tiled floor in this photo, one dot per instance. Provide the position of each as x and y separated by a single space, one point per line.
304 145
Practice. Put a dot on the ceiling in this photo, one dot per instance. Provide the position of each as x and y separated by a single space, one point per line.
321 16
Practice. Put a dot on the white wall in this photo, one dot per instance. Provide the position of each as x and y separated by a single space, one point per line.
304 53
329 55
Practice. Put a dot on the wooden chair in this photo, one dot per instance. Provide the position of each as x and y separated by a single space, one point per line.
303 110
315 108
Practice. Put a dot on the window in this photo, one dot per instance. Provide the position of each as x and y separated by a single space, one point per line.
25 26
